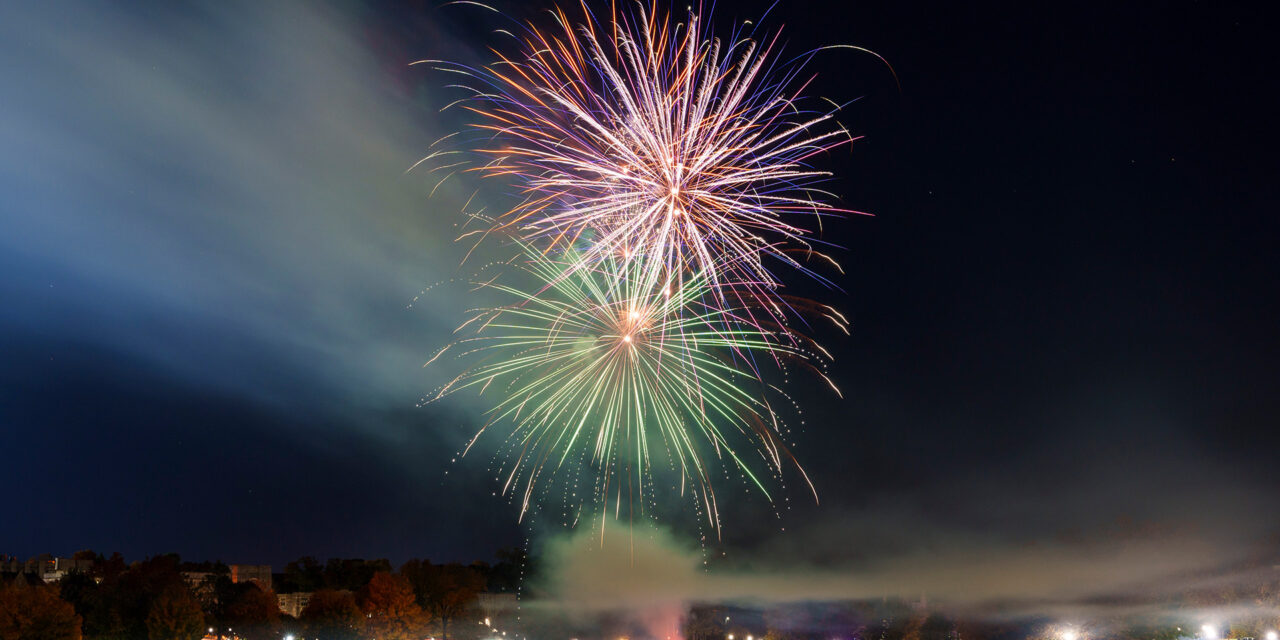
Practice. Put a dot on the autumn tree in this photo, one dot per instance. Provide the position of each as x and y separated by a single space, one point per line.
391 609
30 612
175 615
254 613
447 592
332 615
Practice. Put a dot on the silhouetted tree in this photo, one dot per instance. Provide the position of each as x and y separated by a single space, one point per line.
110 568
891 620
704 623
332 615
304 574
175 615
140 585
84 560
352 573
205 566
781 623
92 601
505 576
391 609
29 612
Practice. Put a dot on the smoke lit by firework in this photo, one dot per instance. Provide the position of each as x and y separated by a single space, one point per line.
664 174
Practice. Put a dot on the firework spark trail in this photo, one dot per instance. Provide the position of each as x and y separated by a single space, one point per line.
651 137
591 367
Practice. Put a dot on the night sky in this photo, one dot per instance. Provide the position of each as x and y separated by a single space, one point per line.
1063 352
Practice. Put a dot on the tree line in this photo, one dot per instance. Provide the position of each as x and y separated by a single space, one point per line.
163 598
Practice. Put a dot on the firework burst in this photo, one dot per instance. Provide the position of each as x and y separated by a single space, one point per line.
599 370
650 136
663 175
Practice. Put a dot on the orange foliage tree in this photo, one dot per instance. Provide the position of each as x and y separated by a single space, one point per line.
29 612
391 610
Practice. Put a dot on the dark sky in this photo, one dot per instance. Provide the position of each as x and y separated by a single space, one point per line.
1063 308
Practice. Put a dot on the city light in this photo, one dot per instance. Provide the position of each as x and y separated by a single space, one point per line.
1070 634
1209 632
1271 635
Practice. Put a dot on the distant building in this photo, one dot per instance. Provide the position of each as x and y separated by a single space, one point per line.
55 569
36 564
294 603
45 567
10 564
259 573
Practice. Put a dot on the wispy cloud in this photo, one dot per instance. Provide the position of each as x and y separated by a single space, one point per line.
199 186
